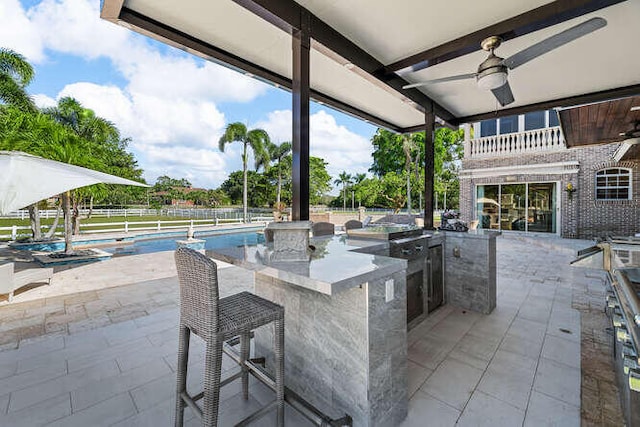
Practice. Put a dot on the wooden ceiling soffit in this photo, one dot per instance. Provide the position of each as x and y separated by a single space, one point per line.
536 19
603 122
288 15
605 95
176 38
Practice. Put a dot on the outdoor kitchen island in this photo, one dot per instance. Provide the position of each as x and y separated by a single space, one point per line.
345 325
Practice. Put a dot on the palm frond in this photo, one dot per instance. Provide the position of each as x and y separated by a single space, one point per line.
235 132
16 66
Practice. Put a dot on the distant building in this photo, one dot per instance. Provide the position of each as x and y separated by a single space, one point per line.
518 175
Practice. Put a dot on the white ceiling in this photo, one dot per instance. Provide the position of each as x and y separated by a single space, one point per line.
393 30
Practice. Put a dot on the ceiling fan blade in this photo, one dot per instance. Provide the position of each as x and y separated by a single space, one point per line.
554 42
442 80
503 94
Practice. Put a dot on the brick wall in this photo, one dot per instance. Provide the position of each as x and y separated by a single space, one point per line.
581 215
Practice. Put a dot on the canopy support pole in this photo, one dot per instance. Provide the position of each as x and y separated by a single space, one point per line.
429 173
300 95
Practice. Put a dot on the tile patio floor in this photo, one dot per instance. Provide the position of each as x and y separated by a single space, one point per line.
114 363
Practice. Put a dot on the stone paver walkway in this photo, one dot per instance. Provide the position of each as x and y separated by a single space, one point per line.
110 359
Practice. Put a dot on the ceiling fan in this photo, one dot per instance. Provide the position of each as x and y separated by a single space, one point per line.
492 72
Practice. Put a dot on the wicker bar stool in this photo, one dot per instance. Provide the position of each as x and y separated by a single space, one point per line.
217 320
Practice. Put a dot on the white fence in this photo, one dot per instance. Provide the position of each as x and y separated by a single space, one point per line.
226 213
16 231
531 141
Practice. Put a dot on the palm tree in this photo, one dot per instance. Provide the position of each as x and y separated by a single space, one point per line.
408 147
257 139
15 74
277 153
344 179
98 133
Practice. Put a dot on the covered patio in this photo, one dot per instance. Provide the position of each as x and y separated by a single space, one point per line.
527 363
520 365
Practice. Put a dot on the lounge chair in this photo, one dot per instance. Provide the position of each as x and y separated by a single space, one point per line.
351 224
10 280
323 229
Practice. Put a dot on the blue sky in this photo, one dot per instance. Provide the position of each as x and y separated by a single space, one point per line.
172 105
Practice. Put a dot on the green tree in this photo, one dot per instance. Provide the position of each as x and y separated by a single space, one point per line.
409 148
388 156
15 74
218 197
166 183
277 153
345 180
256 139
319 179
100 139
260 189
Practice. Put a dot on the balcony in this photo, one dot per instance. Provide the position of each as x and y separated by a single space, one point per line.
527 142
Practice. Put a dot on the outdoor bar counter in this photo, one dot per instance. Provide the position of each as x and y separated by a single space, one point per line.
345 325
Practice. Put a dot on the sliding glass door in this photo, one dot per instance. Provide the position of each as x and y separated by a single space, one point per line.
542 208
520 207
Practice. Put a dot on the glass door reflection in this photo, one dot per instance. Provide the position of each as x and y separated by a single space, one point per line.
542 209
513 207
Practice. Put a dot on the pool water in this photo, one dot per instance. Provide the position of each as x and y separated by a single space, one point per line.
212 241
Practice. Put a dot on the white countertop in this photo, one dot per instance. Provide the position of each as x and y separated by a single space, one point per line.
334 266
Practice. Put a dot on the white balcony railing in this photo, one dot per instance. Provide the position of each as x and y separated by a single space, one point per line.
528 142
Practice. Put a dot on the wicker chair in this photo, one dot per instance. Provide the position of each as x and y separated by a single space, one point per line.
323 229
351 224
217 320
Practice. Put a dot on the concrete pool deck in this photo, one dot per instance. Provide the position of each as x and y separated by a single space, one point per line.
106 355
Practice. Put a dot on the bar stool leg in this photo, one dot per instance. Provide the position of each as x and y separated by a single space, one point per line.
181 382
212 371
245 346
279 367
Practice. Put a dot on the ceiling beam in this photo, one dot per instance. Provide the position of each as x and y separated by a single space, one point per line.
287 15
604 95
520 25
183 41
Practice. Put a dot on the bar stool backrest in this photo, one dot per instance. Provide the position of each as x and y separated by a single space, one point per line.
198 278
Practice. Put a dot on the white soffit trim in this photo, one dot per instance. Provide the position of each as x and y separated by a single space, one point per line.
571 167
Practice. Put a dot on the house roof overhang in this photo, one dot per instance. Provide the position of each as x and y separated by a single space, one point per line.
617 120
361 50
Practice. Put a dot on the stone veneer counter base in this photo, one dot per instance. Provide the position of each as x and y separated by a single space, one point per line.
345 327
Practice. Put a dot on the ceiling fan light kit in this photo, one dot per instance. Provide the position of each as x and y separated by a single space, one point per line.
492 81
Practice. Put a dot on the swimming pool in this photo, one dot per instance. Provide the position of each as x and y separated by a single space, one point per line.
212 241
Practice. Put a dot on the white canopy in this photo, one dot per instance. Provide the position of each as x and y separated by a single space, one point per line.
26 179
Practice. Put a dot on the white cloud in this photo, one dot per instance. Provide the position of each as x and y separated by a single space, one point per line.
343 149
18 33
168 106
199 166
44 101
